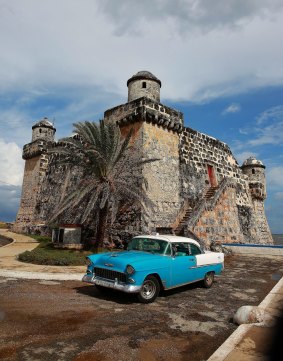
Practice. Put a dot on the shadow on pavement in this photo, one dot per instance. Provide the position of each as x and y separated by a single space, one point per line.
107 294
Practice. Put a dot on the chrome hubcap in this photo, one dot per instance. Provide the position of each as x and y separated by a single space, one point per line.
148 289
209 279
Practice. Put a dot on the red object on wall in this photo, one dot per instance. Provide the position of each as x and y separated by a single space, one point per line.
211 176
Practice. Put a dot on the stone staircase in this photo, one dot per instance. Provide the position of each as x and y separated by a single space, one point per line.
180 228
192 215
210 192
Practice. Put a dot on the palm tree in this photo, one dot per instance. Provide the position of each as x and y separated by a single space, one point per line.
111 173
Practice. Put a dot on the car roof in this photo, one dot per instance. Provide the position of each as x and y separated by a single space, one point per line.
170 238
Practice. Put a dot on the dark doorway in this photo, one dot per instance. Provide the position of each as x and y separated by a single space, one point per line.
61 235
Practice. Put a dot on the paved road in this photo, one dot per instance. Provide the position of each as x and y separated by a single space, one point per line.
47 320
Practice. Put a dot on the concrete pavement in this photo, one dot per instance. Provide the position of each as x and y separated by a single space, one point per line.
249 342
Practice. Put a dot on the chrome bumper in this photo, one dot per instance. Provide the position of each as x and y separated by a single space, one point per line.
111 284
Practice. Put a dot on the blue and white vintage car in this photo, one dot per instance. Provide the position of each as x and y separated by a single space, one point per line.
152 263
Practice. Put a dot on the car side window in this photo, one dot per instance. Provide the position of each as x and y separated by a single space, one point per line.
182 249
194 250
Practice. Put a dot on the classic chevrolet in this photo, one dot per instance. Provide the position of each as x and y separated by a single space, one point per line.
152 263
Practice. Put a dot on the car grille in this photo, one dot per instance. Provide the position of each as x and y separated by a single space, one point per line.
110 274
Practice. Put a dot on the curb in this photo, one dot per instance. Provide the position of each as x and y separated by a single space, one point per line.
41 275
229 345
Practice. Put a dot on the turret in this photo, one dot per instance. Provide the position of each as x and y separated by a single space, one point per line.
42 136
255 170
144 84
43 129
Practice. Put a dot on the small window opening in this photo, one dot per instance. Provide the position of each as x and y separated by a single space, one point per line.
40 130
144 84
253 171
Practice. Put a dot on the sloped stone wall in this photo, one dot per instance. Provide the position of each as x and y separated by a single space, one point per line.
221 223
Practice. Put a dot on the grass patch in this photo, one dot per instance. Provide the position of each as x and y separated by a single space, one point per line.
3 225
46 254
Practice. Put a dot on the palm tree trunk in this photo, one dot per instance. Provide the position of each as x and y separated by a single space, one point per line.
102 223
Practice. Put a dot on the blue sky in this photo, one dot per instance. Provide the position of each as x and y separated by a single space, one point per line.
220 62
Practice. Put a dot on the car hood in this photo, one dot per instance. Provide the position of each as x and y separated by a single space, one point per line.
118 261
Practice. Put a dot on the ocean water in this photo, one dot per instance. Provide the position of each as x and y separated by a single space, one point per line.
278 239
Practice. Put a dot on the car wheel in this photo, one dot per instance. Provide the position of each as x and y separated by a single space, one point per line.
150 290
208 279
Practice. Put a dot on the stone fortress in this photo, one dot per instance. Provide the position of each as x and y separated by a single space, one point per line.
197 186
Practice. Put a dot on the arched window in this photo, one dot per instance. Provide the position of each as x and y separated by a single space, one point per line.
253 171
144 84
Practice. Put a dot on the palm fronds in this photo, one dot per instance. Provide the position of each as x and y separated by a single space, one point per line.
111 171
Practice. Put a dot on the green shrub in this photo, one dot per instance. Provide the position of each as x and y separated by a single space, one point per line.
46 254
39 238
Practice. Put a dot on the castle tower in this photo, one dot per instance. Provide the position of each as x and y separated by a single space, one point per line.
36 163
255 170
144 84
156 129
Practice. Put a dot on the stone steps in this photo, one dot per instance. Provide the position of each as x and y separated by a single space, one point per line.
208 195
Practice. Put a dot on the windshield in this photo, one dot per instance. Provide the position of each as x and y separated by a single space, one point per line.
149 245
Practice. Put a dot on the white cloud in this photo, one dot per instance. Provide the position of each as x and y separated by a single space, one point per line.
274 114
232 108
186 16
11 163
241 157
270 127
217 46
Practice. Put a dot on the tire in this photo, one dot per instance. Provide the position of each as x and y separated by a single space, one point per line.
208 279
150 290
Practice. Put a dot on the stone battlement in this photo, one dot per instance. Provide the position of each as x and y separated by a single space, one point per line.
143 106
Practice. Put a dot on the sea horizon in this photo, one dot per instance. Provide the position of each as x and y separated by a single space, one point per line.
278 239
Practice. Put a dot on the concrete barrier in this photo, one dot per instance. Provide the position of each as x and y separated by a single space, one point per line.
254 249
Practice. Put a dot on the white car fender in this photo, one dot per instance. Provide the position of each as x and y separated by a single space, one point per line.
209 258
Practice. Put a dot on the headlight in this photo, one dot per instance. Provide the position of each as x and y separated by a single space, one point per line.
130 270
87 261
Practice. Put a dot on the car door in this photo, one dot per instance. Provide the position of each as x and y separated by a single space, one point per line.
183 269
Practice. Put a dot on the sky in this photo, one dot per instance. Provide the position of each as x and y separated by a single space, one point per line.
220 63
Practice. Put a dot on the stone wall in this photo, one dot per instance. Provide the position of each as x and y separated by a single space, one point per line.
163 176
261 230
236 218
199 151
222 222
